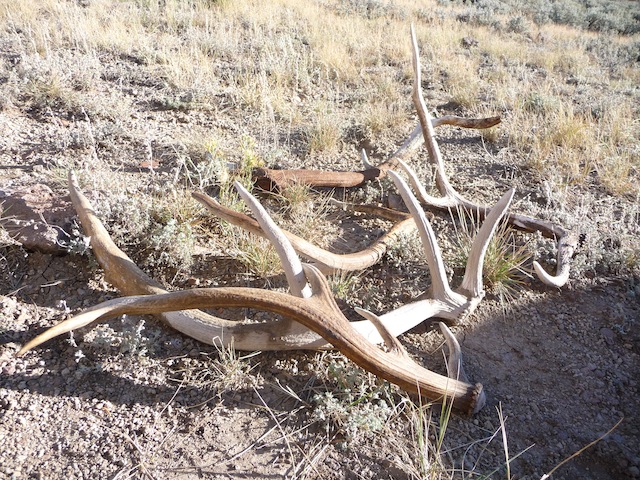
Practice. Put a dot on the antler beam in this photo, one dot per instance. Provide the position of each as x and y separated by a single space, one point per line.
319 313
449 198
326 261
270 179
567 242
312 307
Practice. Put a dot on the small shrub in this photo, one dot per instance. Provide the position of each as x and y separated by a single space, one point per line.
305 213
76 243
539 103
356 403
381 117
257 254
518 24
370 9
407 247
50 93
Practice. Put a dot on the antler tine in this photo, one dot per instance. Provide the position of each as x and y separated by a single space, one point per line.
428 132
472 281
365 160
391 342
421 192
566 247
440 284
288 257
455 370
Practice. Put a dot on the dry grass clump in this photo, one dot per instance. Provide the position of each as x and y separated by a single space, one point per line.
308 214
506 262
324 134
224 371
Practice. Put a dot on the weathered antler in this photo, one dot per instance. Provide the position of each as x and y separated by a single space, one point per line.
123 274
312 317
271 179
319 313
450 198
313 307
326 261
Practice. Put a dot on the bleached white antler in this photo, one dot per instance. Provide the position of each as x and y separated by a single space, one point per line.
450 198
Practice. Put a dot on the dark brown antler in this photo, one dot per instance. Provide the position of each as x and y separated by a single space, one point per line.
270 179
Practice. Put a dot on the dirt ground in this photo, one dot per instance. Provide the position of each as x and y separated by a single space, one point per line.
134 399
561 364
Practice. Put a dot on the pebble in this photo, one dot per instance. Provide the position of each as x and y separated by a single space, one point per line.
608 335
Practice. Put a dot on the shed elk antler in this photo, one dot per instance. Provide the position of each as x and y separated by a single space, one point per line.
450 198
312 317
311 305
271 179
567 242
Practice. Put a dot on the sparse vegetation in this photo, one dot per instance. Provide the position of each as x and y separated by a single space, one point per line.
355 404
506 262
148 101
221 372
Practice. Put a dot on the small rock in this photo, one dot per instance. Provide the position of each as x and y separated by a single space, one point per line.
608 335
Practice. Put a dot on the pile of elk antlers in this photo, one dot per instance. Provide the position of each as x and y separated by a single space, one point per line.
311 318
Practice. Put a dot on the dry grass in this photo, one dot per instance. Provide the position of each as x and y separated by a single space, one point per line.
283 82
272 61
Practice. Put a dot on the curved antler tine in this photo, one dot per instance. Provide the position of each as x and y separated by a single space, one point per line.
455 370
566 247
391 342
551 280
288 256
365 160
558 280
472 281
421 192
440 284
444 187
81 320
